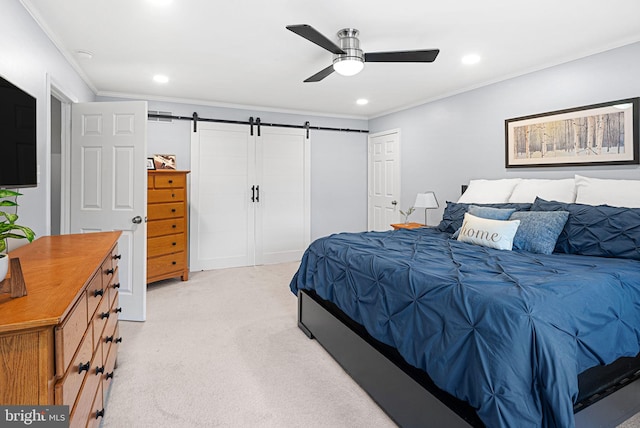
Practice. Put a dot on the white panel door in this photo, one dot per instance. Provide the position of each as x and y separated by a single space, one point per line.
222 213
249 196
109 188
283 211
384 180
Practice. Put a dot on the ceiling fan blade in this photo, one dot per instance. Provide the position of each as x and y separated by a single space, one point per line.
313 35
427 55
320 75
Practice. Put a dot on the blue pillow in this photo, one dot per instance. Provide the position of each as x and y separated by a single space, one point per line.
539 230
601 230
490 212
454 213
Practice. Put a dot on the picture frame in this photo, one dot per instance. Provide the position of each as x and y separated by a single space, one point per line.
150 164
162 161
596 134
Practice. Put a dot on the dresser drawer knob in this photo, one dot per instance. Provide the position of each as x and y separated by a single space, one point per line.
174 243
100 414
173 210
109 271
108 339
174 262
117 257
170 181
118 340
109 375
173 226
116 285
173 195
116 310
104 315
97 293
84 367
99 370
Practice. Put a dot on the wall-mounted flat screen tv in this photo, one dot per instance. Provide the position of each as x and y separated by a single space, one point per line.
18 164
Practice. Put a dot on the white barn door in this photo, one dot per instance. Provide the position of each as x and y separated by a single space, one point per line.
109 188
384 180
250 200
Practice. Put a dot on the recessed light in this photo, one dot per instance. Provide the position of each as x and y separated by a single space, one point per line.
471 59
160 2
160 78
362 101
82 54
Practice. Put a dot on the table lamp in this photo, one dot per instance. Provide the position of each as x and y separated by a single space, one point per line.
426 200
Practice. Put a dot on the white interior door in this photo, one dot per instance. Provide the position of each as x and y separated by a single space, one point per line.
384 180
109 190
221 216
283 212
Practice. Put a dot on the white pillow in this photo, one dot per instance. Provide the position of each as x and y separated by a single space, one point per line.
551 190
496 234
598 191
489 191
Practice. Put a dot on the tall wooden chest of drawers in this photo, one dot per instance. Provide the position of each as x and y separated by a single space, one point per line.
58 344
167 222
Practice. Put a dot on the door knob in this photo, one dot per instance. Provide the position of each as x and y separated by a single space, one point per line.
137 219
394 203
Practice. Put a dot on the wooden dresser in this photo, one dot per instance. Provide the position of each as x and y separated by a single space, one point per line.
167 250
58 344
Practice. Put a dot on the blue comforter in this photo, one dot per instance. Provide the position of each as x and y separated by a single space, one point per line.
506 331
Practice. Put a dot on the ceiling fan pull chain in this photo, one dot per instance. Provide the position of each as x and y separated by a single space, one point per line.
258 125
306 126
251 125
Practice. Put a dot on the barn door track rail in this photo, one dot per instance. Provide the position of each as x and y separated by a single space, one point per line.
257 123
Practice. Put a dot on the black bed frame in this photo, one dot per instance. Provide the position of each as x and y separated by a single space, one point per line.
608 396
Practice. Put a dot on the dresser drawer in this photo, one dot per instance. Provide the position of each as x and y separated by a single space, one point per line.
164 211
82 409
67 388
108 335
170 181
69 334
95 291
114 286
110 359
165 245
165 195
97 410
100 319
165 264
166 227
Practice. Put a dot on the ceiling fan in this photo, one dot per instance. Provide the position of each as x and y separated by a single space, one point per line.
348 58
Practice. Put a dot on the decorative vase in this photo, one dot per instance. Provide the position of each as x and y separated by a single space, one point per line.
4 266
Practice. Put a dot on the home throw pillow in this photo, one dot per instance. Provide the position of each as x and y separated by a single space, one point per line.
496 234
454 213
487 212
539 230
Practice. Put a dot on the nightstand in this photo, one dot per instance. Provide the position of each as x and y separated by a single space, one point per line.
407 226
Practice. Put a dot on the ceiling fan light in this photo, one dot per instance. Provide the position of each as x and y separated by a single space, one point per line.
348 66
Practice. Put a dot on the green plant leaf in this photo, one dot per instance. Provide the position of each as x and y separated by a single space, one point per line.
5 193
7 203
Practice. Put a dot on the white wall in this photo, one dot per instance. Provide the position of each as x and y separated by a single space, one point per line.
338 159
29 60
447 142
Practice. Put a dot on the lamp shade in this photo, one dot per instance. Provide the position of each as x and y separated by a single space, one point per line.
426 200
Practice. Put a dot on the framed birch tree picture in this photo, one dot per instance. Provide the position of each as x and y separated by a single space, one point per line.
598 134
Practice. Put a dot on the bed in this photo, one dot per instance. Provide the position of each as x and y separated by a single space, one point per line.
442 332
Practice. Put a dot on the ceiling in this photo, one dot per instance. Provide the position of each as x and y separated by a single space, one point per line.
238 53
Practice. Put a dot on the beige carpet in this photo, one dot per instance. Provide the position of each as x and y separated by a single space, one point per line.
224 350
